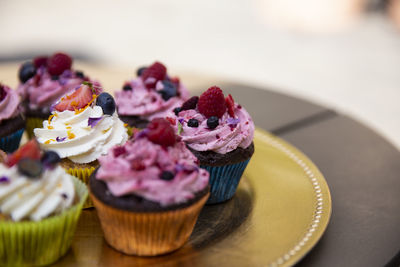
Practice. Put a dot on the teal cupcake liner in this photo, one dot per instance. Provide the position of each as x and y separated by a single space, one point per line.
30 243
224 180
10 143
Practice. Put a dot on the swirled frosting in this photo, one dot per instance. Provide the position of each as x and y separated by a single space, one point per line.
35 198
41 91
9 105
230 134
146 103
81 136
136 168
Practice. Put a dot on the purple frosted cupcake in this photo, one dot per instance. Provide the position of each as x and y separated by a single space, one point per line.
43 82
153 94
12 124
220 133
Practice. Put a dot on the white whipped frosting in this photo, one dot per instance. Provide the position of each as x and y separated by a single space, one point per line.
35 198
77 140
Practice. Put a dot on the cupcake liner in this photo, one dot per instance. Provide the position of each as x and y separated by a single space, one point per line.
32 123
224 180
82 174
147 233
31 243
10 143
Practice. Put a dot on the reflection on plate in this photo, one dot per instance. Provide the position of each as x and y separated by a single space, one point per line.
279 212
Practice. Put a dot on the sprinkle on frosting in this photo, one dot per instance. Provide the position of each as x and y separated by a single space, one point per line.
93 121
4 179
58 139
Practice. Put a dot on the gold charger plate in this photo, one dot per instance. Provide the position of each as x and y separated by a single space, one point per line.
280 211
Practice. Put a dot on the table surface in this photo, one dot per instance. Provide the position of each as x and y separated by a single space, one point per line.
361 169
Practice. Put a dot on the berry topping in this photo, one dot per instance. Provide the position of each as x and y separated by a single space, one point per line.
29 150
30 167
106 102
177 110
191 103
212 102
212 122
161 132
230 104
80 74
26 71
50 159
139 71
137 165
193 123
3 93
40 61
168 91
118 151
58 62
55 77
157 72
127 87
167 176
77 100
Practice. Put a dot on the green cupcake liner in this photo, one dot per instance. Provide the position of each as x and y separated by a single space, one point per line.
32 123
82 174
31 243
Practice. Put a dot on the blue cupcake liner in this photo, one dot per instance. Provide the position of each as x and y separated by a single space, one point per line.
10 143
224 180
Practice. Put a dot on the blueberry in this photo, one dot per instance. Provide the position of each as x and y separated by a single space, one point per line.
54 77
212 122
193 123
50 158
177 110
140 71
27 71
80 74
30 167
106 102
127 87
167 176
168 91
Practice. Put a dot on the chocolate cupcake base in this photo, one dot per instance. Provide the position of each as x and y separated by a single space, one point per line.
134 121
11 131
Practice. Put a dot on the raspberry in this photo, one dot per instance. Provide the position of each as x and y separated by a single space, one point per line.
40 61
230 103
161 132
157 71
190 103
212 102
58 62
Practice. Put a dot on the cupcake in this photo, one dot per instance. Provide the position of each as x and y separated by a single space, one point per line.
220 133
43 81
149 192
40 206
12 123
154 94
82 127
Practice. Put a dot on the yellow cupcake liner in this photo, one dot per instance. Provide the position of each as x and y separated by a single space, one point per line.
32 123
147 233
82 174
31 243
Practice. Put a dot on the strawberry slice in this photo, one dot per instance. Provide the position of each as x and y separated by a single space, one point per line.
230 103
29 150
77 100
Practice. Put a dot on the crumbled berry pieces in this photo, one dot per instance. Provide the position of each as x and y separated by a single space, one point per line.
119 150
58 63
161 132
212 102
137 165
212 122
191 103
193 123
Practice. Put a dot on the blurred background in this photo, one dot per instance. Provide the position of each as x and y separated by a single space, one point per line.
343 54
